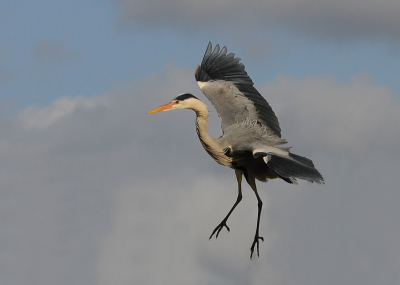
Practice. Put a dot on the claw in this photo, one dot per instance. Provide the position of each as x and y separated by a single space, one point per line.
256 238
219 228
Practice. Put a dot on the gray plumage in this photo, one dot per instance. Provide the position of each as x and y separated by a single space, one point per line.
251 143
240 100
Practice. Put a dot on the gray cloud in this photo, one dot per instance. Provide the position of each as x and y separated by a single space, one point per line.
352 19
350 117
105 194
345 231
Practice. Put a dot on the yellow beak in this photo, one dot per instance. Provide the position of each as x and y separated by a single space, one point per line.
164 107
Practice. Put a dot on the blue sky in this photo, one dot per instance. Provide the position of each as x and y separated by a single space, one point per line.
51 49
94 191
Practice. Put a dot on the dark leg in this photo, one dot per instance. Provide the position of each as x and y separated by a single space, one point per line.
239 198
252 183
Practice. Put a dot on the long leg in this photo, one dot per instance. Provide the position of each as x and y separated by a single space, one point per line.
239 198
252 183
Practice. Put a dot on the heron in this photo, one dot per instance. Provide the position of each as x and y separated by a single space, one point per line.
251 142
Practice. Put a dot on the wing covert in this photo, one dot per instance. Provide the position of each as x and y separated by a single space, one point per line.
224 81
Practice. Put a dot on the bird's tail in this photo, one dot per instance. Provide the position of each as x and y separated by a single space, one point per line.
294 166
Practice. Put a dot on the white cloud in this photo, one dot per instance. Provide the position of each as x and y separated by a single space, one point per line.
111 195
337 19
32 117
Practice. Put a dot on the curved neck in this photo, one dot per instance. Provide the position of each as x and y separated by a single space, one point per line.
201 124
209 144
201 129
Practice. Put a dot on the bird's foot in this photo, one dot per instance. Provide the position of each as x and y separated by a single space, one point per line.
256 241
219 228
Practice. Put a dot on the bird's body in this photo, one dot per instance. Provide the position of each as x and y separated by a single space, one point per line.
251 143
231 149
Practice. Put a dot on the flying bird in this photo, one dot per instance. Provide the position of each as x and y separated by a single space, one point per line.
251 143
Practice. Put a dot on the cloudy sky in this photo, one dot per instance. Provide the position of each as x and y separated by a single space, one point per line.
93 191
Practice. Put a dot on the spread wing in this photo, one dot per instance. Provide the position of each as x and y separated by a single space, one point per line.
224 81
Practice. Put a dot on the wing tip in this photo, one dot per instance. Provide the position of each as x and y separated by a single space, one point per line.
217 64
208 49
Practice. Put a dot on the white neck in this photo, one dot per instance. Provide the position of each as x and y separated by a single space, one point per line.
209 144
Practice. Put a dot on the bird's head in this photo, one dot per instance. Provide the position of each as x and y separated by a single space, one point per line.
183 101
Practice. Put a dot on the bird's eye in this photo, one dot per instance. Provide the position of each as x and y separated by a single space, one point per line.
177 102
